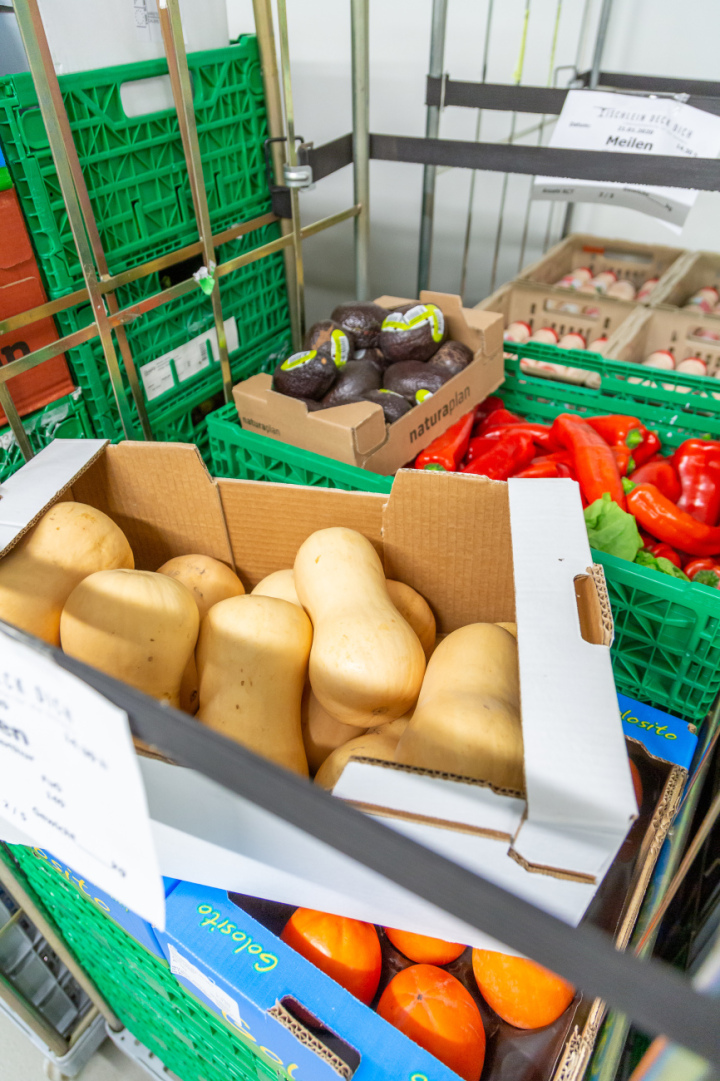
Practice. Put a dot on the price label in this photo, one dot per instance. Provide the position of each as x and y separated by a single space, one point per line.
70 781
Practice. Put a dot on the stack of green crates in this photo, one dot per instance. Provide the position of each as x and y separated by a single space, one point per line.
667 632
135 171
67 418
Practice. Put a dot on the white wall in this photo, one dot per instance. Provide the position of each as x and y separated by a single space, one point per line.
646 36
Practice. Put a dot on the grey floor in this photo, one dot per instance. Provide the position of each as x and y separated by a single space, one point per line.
21 1061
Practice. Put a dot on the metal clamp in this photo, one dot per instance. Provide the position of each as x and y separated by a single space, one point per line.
295 176
298 176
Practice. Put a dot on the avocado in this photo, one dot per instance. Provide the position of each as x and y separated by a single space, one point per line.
393 405
451 357
308 374
411 378
362 320
374 356
412 332
331 337
357 377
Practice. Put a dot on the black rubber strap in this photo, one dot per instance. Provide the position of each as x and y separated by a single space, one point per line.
657 997
329 157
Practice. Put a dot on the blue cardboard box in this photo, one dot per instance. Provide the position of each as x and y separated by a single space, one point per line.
283 1006
665 737
142 931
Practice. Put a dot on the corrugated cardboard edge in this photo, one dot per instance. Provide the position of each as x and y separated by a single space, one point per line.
597 573
581 1042
459 778
301 1034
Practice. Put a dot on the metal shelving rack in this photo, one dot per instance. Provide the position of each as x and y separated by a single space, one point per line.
657 997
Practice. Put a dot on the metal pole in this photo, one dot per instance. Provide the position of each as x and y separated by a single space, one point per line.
292 160
432 129
359 11
52 108
600 38
172 32
273 104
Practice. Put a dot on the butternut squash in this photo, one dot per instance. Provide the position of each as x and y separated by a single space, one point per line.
209 581
322 734
280 584
467 719
511 628
138 626
415 609
252 660
366 662
70 541
377 742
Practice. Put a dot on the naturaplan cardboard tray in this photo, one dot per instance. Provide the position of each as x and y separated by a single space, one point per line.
633 262
479 550
691 273
678 331
357 433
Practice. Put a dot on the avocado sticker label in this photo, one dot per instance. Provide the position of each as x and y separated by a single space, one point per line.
340 347
298 359
422 396
415 317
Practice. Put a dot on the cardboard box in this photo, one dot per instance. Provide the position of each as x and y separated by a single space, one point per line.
631 261
689 274
357 433
20 290
142 931
671 329
478 550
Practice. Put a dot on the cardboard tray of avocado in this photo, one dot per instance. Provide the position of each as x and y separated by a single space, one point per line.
379 380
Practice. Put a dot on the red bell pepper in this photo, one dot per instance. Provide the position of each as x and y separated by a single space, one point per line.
666 521
540 433
489 406
703 566
660 472
650 446
593 459
511 454
664 551
697 462
618 430
542 467
623 459
500 418
448 449
481 444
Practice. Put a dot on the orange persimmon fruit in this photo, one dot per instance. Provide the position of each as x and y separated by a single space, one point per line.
346 950
521 992
422 948
434 1010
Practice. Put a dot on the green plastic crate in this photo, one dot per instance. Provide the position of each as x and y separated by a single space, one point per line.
667 632
255 295
138 987
246 455
134 167
66 418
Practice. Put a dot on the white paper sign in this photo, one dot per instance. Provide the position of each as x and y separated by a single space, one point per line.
69 778
189 359
631 124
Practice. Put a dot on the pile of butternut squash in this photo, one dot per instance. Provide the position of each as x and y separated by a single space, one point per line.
322 662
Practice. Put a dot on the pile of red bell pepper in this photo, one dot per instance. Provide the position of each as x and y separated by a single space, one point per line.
675 500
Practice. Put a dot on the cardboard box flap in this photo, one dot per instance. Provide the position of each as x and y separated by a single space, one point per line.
478 586
579 779
162 497
470 807
478 330
25 495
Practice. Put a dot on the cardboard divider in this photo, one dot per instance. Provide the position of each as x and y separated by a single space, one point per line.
671 329
631 261
357 434
692 272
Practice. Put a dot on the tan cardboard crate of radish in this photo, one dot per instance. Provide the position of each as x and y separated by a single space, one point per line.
693 284
687 342
535 313
620 269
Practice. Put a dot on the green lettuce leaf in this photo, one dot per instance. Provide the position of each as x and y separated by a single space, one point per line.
659 563
611 529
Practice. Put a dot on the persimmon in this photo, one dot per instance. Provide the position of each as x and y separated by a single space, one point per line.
523 993
346 950
637 783
424 949
434 1010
